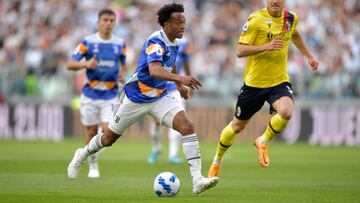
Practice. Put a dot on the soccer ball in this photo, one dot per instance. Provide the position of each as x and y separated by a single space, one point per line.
166 184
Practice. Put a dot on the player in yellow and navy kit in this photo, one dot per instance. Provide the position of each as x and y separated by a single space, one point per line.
102 55
145 94
265 40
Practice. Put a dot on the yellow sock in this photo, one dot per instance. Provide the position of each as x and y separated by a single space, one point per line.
227 138
275 126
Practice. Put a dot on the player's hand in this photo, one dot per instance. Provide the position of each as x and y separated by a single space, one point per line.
313 63
184 92
91 64
122 78
191 82
275 44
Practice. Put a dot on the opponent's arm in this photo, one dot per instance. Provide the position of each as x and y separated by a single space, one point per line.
78 65
244 50
299 43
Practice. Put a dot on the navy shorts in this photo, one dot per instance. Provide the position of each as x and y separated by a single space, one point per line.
251 99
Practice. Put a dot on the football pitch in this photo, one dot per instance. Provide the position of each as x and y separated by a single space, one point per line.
36 172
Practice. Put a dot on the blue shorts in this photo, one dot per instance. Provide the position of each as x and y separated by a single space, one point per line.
251 99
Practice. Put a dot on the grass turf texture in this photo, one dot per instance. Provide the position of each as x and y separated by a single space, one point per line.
36 172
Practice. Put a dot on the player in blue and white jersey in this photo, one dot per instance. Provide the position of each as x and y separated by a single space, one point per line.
146 94
183 68
102 55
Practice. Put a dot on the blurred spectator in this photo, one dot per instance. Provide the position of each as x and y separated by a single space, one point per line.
38 35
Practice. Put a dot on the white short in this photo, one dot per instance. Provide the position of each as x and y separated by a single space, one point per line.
177 96
128 112
95 111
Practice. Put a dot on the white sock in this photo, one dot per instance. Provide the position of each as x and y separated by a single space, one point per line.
92 147
93 157
174 142
155 137
191 149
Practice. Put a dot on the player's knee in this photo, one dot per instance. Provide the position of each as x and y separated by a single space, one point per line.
237 128
91 132
107 141
187 128
285 114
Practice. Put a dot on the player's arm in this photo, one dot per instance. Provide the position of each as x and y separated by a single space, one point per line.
79 65
244 50
156 70
179 86
123 72
76 62
300 45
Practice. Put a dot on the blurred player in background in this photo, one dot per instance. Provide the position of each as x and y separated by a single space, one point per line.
103 53
183 68
146 94
265 39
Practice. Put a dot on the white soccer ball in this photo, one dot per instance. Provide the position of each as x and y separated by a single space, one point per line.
166 184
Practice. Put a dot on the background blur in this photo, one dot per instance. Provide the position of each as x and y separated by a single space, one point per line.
38 96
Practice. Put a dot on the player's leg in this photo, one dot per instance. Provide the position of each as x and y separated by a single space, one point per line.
127 114
280 99
174 142
155 134
101 140
250 100
171 114
175 136
191 150
92 160
227 138
90 111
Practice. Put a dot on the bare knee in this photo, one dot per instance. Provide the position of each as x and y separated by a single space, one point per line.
187 128
109 138
91 132
285 113
238 125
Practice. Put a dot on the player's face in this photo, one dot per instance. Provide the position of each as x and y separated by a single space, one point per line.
275 6
177 24
106 23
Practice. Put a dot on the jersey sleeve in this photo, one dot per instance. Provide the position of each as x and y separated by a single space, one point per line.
80 51
155 50
249 31
295 20
123 54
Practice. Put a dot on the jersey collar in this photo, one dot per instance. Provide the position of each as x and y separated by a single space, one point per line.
167 41
103 40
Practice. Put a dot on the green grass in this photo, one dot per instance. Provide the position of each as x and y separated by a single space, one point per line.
36 172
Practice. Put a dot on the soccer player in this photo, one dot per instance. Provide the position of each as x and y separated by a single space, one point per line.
103 53
265 40
183 68
146 94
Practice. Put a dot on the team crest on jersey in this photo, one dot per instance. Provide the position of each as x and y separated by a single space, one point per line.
96 48
268 21
116 49
288 25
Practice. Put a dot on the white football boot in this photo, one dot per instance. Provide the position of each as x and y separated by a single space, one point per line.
75 165
202 184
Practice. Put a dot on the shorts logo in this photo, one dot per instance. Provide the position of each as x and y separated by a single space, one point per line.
117 119
290 90
238 111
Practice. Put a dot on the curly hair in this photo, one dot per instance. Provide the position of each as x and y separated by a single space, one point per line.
164 13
